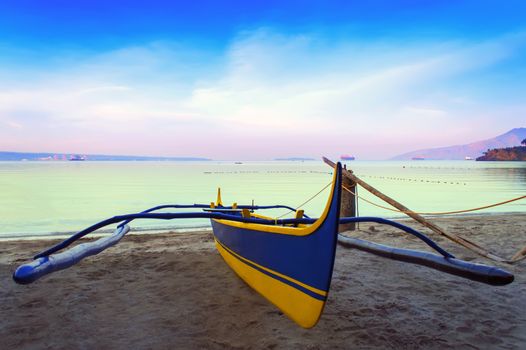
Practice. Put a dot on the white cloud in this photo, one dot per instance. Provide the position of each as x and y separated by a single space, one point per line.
265 85
13 125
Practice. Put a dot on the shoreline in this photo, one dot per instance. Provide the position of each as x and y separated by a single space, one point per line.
105 232
153 231
170 290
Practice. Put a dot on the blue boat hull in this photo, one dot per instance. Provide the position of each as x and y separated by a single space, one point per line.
290 266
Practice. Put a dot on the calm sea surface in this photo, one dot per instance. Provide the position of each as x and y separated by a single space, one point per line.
42 198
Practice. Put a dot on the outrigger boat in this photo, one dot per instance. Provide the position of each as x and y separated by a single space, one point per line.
288 261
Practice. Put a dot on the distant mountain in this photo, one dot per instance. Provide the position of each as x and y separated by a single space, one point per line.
472 150
14 156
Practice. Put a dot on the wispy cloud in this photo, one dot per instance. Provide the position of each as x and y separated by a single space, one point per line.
13 125
279 90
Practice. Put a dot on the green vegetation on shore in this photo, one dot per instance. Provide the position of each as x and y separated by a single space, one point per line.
506 154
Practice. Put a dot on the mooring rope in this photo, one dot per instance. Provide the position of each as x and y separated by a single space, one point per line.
434 213
402 211
307 201
518 256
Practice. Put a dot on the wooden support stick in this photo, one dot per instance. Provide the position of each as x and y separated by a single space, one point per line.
455 238
348 205
521 254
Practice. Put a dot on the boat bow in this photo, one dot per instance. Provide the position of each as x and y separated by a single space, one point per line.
290 266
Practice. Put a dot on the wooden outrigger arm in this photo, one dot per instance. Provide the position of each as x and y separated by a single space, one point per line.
51 260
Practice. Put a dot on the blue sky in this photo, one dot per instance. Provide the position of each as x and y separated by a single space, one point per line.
258 80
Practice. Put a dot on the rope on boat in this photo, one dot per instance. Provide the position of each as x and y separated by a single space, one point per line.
434 213
307 201
404 211
520 255
45 264
223 216
472 246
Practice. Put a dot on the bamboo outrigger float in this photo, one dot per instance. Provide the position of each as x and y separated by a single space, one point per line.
288 261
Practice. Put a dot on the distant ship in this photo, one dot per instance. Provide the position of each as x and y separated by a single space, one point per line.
346 157
468 158
418 158
77 158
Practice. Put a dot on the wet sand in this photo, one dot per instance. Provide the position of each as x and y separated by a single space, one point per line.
173 290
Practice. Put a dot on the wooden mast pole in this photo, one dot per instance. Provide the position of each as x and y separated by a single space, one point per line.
348 204
455 238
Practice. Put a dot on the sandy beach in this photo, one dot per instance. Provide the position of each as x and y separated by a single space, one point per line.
172 290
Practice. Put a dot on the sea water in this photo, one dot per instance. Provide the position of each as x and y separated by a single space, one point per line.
47 198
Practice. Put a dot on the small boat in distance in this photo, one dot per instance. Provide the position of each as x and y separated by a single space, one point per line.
346 157
77 158
418 158
288 261
468 158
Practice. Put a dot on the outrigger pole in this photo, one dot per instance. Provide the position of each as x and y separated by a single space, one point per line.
52 260
403 209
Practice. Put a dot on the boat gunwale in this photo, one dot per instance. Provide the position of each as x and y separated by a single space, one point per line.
287 230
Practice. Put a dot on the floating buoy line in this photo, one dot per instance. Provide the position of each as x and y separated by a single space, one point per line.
436 212
441 182
392 178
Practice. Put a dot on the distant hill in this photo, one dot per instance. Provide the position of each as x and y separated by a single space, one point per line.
14 156
473 150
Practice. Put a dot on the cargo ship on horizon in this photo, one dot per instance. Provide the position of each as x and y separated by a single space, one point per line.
347 157
77 158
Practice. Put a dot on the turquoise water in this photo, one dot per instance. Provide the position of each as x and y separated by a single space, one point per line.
42 198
